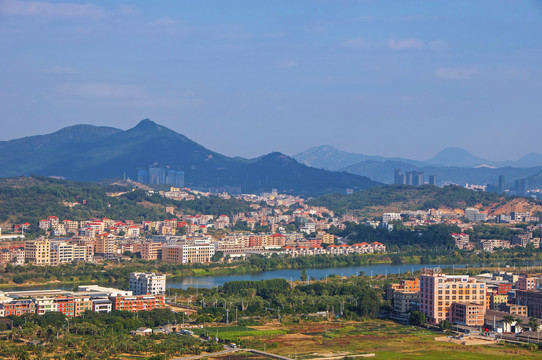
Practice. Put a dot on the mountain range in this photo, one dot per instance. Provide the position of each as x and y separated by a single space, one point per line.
91 153
451 165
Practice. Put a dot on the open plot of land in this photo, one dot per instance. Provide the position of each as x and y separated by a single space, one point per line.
387 340
233 333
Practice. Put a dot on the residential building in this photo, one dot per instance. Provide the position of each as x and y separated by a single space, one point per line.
475 215
37 251
439 291
138 303
469 314
531 299
188 254
147 283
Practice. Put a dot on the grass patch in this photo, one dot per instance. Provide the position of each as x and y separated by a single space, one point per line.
235 332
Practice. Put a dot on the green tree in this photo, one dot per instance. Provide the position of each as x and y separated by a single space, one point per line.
417 318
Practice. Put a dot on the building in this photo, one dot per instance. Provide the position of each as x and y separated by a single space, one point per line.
439 291
188 254
147 283
37 251
18 307
433 180
502 184
138 303
469 314
404 301
475 215
399 177
526 282
531 299
417 178
520 187
102 305
151 250
389 217
514 309
105 245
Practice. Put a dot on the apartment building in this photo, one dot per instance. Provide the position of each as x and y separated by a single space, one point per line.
151 250
188 254
105 245
37 251
531 299
469 314
138 303
147 283
439 291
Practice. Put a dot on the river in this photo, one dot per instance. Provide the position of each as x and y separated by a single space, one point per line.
212 281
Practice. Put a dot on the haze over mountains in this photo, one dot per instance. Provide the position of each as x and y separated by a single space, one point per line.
90 153
451 165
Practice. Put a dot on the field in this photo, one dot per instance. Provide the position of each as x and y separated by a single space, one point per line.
387 340
234 333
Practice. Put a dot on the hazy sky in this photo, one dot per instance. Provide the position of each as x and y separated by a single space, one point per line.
402 78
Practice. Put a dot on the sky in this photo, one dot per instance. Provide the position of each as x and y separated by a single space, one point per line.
244 78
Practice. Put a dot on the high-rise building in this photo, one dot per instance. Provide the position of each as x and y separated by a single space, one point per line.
408 178
147 283
501 186
399 177
433 180
520 186
142 176
417 178
157 175
438 292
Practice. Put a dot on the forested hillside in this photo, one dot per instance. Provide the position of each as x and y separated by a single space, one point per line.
29 199
406 197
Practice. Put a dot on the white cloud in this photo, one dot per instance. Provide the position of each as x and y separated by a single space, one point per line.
456 73
287 64
61 70
28 8
354 43
166 20
104 90
406 44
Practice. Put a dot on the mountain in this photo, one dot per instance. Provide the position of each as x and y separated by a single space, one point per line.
384 172
120 153
329 158
22 156
454 156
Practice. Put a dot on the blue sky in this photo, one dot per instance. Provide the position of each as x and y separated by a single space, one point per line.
244 78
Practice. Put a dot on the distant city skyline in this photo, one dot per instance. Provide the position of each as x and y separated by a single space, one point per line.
396 78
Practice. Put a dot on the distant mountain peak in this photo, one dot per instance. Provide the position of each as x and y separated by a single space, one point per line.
146 124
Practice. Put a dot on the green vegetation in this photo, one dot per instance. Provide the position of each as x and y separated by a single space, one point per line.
34 198
98 336
235 333
407 197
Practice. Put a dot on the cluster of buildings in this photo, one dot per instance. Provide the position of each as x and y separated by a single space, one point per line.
160 176
523 239
361 248
414 178
146 293
483 301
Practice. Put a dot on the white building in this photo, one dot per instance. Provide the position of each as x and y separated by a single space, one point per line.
388 217
147 283
475 215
